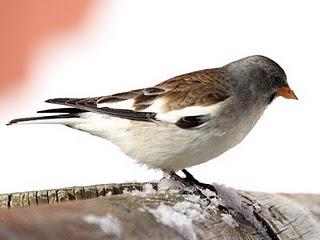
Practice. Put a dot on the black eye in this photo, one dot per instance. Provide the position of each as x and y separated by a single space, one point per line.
276 79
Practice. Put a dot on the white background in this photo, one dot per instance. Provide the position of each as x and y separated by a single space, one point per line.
134 44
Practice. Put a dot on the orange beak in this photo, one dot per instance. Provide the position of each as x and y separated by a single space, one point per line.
286 92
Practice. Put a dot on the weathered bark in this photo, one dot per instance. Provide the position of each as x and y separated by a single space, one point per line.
285 216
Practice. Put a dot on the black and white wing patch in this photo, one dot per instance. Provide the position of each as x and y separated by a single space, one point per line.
82 105
191 122
147 104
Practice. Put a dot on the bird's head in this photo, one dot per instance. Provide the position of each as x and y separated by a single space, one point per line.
264 76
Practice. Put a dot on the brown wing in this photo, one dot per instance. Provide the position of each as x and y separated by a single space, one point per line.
201 88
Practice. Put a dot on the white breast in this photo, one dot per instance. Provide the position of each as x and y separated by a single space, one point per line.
163 145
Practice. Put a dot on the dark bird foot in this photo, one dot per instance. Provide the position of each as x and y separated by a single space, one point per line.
189 178
193 183
196 187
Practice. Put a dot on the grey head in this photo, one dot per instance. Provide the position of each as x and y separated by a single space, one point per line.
260 75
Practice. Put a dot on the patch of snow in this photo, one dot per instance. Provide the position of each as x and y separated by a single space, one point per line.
229 220
209 193
141 209
108 224
148 189
192 210
170 217
230 198
193 198
109 193
168 185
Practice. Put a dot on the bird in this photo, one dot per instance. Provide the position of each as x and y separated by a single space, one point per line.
183 121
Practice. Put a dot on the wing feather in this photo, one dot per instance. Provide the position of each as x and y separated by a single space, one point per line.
186 100
89 104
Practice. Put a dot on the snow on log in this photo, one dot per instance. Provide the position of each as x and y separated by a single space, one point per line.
157 211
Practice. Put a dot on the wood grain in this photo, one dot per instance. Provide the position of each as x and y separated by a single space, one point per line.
59 214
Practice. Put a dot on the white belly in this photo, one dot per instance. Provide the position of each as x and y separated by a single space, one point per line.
165 146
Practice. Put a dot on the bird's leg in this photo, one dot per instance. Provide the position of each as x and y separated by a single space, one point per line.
177 178
191 180
195 190
194 184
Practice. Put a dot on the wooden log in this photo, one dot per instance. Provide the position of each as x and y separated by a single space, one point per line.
110 211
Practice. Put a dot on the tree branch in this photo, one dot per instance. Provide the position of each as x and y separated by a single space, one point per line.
110 211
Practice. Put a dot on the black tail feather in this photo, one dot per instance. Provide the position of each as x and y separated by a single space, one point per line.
42 118
63 110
